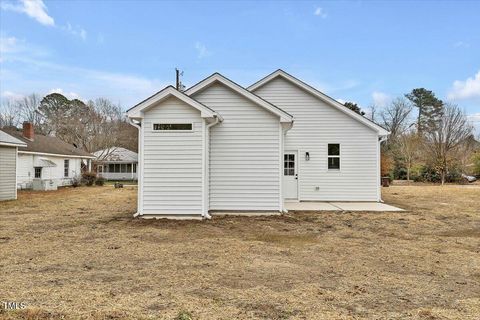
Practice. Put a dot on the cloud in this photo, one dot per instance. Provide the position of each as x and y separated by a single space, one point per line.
35 9
78 31
69 95
380 99
32 74
8 44
467 89
475 121
202 51
12 48
320 12
9 95
341 101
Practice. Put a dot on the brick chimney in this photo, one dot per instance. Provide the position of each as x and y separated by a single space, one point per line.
28 130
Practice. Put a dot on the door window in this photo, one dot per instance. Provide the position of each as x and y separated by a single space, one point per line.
289 164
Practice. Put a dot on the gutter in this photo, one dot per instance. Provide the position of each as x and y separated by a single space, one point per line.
140 161
206 156
56 155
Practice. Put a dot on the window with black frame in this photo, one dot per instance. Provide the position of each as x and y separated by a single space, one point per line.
66 167
38 172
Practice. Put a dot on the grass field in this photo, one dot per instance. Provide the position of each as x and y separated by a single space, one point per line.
78 253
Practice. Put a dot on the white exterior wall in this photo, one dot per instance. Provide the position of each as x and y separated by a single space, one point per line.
8 161
26 171
316 125
172 161
244 153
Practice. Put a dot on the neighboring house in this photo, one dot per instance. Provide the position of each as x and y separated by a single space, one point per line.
116 164
8 165
218 147
47 159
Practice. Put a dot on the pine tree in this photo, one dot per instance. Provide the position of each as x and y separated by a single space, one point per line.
430 108
354 107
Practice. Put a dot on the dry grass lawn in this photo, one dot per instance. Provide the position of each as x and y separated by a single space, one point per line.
78 253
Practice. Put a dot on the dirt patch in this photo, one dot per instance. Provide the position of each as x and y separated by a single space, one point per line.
79 253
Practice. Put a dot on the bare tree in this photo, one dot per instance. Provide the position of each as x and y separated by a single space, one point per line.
27 108
408 147
443 141
395 118
103 126
8 115
372 113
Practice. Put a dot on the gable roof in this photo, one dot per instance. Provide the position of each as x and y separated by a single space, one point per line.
334 103
166 93
48 145
116 154
217 77
8 140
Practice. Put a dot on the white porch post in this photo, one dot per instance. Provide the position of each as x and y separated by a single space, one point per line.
131 171
89 165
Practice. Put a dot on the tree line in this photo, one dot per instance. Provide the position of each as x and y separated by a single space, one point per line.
430 140
95 125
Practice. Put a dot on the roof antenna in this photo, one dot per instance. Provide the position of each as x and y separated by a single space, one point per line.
178 83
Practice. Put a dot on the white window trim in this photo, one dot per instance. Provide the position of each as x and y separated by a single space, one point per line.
339 156
173 122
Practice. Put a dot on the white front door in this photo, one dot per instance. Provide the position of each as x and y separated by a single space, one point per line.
290 175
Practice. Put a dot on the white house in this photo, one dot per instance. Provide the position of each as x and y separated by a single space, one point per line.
218 147
8 165
46 161
116 163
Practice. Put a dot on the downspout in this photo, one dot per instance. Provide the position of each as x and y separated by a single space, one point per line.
379 149
284 133
140 161
206 156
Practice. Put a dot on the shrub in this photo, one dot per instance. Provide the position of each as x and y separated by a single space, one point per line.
88 178
100 181
476 163
432 174
75 182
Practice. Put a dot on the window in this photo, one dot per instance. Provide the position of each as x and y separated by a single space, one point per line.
289 164
111 167
38 172
333 156
66 167
172 126
134 168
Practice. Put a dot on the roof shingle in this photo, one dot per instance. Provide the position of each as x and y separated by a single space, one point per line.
47 144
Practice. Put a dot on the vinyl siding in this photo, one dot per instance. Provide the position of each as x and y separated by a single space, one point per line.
317 124
244 151
8 159
172 181
26 171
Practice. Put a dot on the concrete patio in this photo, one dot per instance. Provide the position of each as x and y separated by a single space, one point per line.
339 206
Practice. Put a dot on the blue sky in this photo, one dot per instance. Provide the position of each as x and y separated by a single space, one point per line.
362 51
